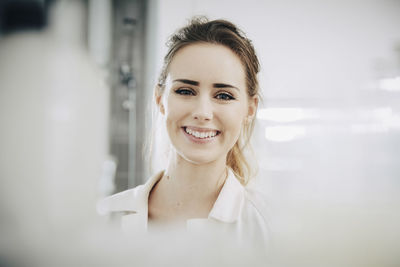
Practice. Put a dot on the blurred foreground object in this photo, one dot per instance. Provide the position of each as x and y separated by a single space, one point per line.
53 117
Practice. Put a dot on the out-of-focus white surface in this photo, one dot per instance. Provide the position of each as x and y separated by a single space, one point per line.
53 119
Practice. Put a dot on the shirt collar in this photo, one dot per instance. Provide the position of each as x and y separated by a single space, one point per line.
134 200
228 205
226 208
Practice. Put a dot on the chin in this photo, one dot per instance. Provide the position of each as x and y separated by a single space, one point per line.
198 159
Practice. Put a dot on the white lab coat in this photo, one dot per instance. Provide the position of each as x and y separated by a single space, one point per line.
238 211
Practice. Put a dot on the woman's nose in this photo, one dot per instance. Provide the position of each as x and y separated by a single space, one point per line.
203 110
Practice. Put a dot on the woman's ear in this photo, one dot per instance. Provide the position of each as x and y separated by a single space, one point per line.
158 99
253 105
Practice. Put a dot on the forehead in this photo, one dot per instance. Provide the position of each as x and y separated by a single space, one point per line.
208 63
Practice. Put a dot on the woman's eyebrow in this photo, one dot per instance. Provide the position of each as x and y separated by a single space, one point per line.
187 81
224 85
215 85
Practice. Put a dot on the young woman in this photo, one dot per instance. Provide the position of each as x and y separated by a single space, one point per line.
208 96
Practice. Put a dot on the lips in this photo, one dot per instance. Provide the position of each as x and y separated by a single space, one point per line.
201 133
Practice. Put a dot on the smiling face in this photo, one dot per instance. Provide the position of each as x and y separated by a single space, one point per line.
205 102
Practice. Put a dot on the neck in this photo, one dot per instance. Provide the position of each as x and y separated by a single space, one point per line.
186 190
198 179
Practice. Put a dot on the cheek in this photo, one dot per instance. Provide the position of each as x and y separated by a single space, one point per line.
175 111
236 127
233 120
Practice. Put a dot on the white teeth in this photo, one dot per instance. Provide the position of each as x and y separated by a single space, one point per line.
201 134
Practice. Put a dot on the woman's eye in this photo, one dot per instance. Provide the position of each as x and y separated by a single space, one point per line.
184 91
224 96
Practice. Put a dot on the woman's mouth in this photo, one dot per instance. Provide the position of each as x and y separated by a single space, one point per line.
200 134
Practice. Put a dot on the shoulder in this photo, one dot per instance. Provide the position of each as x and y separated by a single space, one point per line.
255 212
256 201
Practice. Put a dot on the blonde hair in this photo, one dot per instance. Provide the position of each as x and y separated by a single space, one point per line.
225 33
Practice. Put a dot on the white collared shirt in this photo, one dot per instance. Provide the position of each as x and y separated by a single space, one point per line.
238 210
